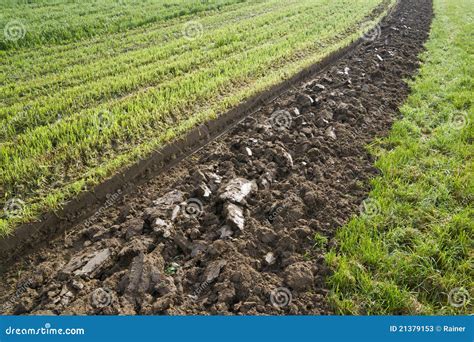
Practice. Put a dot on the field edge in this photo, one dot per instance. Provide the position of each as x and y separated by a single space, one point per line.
408 251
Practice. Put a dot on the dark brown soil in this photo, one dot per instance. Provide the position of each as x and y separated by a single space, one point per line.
231 229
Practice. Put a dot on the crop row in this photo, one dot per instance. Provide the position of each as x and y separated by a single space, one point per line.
52 59
62 21
162 64
109 121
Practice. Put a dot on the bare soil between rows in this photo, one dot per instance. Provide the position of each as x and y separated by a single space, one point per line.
230 230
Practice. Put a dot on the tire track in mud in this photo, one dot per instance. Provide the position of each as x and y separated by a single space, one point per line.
231 229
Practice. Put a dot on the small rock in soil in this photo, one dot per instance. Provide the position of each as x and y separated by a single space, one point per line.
234 215
249 151
162 227
304 100
270 258
225 231
214 269
76 262
94 264
170 198
237 190
319 87
203 191
331 133
299 276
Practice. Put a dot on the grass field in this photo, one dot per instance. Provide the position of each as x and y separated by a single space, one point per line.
410 252
53 21
83 96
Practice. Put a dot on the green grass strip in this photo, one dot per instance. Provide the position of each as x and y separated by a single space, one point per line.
414 254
